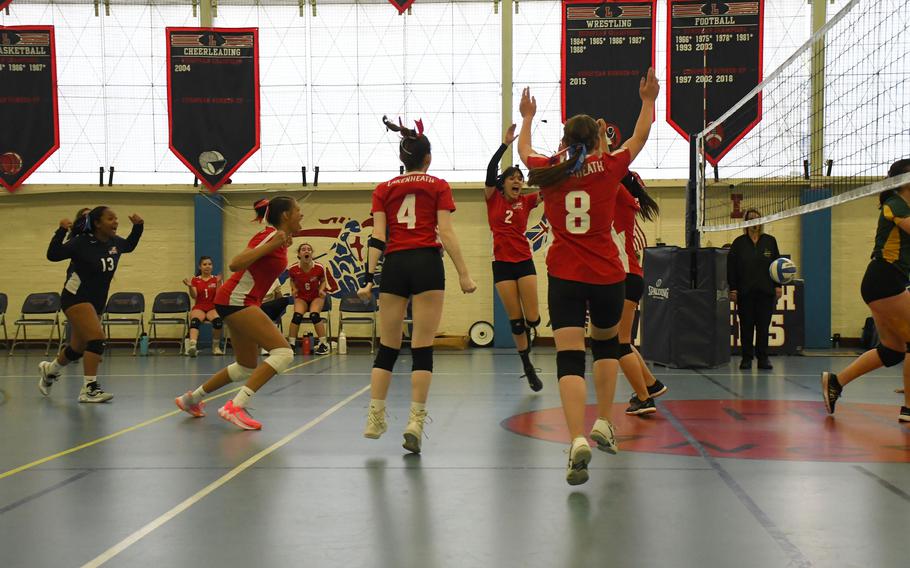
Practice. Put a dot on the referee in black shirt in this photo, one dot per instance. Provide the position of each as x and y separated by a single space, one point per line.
752 289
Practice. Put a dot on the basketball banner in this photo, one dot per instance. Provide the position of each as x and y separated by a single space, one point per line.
213 99
607 47
30 130
715 59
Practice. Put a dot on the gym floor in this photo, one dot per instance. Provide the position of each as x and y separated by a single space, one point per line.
736 469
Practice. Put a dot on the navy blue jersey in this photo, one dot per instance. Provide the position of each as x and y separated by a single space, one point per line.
92 262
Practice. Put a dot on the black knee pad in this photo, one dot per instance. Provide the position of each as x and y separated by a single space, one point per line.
71 354
570 363
605 348
315 317
195 323
217 323
297 318
95 346
533 323
518 326
422 358
385 358
889 356
625 349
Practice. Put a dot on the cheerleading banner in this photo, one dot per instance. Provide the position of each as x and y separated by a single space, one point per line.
715 59
213 99
30 130
607 47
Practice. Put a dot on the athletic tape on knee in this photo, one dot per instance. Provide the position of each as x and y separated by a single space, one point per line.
95 346
625 349
280 358
422 358
297 318
605 348
385 358
889 356
518 326
570 363
315 317
195 323
238 373
217 323
71 354
534 323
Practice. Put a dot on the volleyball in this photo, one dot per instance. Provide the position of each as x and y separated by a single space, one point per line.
211 162
10 163
782 270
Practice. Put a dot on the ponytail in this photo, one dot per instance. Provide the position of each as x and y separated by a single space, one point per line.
414 146
551 175
270 210
648 208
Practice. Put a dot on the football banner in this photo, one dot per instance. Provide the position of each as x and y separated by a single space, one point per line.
213 99
607 47
714 60
28 102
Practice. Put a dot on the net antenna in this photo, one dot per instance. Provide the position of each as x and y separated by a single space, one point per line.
834 117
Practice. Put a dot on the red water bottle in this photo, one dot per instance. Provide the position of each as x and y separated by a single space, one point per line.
305 344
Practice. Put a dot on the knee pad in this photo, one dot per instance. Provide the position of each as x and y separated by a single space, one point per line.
297 318
195 323
534 323
422 358
237 372
95 346
625 349
385 358
606 348
71 354
889 356
315 317
280 358
217 323
518 327
570 363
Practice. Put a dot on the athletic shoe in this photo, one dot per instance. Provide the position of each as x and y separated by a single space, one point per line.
322 349
216 350
657 389
191 348
92 392
745 364
376 424
603 434
185 403
533 380
638 407
831 390
238 416
413 432
904 415
765 364
579 458
47 378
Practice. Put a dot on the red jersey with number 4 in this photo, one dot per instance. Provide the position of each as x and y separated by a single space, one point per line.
627 208
410 203
307 282
205 292
580 212
247 287
509 221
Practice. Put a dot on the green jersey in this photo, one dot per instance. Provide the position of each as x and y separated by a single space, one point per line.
891 243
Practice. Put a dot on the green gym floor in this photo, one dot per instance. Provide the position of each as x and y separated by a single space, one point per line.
736 469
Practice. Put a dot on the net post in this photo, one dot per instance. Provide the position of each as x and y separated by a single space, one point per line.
692 236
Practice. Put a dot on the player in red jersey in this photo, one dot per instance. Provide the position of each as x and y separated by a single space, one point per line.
513 267
203 287
584 269
633 200
238 303
413 207
308 284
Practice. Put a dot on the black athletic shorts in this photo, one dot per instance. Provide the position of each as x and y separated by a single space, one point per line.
409 272
882 280
225 311
503 270
68 300
570 301
635 287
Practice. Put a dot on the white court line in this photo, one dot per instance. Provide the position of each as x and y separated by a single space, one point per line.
192 500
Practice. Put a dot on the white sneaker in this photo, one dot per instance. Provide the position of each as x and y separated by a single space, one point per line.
93 392
322 349
376 424
47 378
413 432
191 348
603 434
216 350
579 458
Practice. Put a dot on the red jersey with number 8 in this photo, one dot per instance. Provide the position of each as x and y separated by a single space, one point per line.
580 212
205 292
508 222
410 203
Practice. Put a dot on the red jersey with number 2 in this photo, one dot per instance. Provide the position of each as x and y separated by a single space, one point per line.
580 212
248 287
627 208
508 222
205 292
410 203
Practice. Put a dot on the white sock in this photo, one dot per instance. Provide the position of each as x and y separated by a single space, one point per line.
579 440
198 395
243 396
377 405
87 379
324 340
192 342
55 367
418 407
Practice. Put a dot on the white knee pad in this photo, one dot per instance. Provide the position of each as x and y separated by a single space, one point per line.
280 358
237 372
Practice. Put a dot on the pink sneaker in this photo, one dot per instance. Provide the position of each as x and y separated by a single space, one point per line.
238 416
185 403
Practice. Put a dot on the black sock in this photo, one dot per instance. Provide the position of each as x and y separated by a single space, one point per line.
525 358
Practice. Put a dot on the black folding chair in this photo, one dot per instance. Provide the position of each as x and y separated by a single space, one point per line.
170 308
360 313
125 308
39 309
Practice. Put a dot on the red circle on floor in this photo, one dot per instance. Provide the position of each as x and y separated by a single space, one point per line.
745 429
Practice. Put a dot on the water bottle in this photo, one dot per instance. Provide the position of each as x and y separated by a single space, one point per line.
144 344
305 340
342 344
